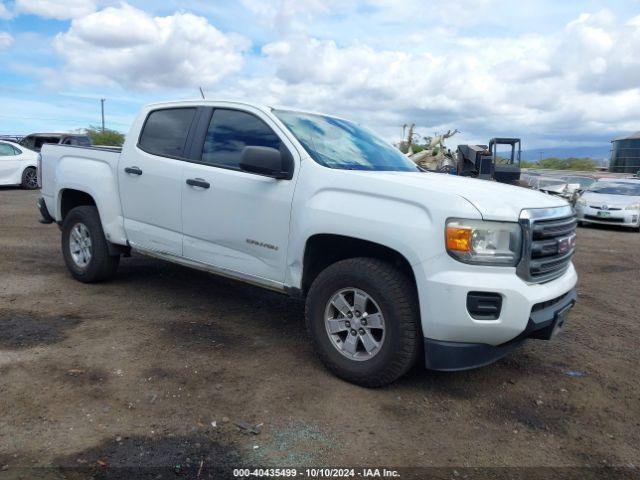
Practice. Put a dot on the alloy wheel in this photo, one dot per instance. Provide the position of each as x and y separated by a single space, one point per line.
80 245
355 324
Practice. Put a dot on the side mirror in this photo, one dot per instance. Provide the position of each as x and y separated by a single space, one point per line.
265 161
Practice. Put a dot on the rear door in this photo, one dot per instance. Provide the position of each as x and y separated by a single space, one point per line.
236 220
150 178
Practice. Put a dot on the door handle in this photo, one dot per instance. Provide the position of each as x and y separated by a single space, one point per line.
198 182
133 170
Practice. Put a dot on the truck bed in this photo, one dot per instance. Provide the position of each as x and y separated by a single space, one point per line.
92 170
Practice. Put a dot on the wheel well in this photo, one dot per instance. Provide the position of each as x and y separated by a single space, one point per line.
74 198
325 249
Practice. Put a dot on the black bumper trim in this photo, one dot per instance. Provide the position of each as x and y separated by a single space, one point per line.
454 356
44 212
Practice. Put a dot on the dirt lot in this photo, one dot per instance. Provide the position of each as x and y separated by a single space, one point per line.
134 372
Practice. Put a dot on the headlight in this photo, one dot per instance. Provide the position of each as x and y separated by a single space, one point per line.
484 243
581 201
633 206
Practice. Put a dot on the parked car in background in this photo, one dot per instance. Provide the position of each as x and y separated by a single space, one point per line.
35 141
585 181
18 165
556 186
526 177
542 183
611 202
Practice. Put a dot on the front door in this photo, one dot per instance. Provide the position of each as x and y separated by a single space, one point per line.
234 220
150 178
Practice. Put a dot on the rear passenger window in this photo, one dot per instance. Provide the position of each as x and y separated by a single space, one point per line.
165 131
229 132
7 150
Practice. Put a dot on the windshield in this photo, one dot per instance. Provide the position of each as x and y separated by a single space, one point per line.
616 188
341 144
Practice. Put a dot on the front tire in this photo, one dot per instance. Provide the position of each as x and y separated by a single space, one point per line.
84 246
362 317
29 179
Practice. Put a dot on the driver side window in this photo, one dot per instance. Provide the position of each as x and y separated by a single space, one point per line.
232 130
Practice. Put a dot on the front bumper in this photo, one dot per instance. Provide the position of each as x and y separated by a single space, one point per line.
545 319
622 218
444 284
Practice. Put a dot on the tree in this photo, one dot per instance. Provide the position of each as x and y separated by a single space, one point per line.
580 164
555 163
111 138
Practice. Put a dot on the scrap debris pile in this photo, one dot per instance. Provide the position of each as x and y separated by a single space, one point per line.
432 154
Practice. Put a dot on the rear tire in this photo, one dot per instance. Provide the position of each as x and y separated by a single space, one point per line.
388 295
29 179
85 248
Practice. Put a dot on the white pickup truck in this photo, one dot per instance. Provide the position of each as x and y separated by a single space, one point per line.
395 263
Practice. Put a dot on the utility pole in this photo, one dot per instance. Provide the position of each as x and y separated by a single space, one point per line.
102 108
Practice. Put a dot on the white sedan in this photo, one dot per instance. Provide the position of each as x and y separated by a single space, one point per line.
18 165
611 202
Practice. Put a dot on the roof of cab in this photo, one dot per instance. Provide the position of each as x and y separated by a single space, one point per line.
213 102
208 102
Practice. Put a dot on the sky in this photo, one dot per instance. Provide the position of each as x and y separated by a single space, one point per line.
555 73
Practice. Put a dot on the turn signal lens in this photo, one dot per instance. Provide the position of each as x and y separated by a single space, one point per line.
484 242
459 239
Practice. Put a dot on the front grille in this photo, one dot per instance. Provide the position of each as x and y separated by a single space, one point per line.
549 243
599 207
604 219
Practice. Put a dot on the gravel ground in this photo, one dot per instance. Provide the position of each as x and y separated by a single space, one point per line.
155 367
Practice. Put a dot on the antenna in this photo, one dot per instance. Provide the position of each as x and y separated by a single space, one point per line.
202 93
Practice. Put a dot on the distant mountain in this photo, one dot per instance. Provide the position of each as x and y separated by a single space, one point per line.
596 153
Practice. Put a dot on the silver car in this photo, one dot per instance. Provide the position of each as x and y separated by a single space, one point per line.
611 202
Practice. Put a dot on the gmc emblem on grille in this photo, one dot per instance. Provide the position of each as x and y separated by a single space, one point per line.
566 244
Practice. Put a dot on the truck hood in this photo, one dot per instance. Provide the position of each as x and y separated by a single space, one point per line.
494 201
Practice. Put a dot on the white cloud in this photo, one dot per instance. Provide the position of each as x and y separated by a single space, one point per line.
114 28
281 14
555 87
604 54
451 64
60 9
5 14
125 46
6 40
